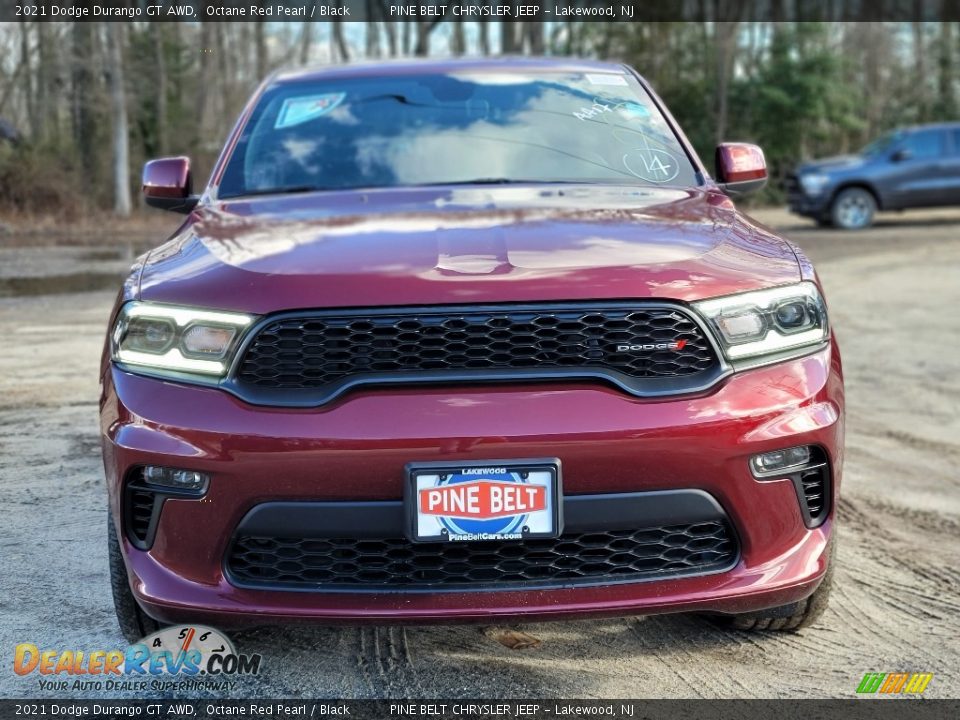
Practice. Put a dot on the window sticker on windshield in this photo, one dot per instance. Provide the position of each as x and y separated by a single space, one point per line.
606 79
298 110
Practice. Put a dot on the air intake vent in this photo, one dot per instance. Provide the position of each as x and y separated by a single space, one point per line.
813 486
141 513
141 510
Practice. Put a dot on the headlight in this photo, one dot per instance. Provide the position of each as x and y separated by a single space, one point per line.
767 322
814 183
166 338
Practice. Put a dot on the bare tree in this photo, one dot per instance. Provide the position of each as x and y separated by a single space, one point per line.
82 99
339 42
260 37
424 28
48 116
118 107
725 44
372 28
508 32
160 60
947 100
533 30
484 38
389 27
306 40
28 95
919 66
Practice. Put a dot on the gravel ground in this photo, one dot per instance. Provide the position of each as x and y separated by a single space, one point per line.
892 290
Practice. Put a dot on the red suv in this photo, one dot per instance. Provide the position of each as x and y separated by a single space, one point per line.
468 340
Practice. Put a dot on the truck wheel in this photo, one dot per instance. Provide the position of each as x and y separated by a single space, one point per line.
795 616
853 209
134 622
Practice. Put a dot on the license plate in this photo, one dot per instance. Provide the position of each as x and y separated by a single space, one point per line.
489 500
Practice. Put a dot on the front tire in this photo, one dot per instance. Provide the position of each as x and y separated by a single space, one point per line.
853 209
792 617
134 622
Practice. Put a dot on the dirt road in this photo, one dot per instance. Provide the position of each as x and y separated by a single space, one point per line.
894 293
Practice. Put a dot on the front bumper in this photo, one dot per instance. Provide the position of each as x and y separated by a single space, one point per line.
800 203
355 450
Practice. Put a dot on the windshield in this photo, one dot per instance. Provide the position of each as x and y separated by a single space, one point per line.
883 144
455 128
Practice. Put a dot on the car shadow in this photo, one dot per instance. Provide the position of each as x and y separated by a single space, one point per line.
566 658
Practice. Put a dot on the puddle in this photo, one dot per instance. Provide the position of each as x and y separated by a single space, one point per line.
59 284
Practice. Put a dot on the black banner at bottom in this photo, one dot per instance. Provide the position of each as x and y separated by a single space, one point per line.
854 709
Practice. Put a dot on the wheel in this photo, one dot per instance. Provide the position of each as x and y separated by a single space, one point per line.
853 209
134 622
792 617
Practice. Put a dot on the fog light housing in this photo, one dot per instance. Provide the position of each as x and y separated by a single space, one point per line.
189 481
777 461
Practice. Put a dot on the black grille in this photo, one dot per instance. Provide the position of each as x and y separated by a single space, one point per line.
141 513
814 488
326 350
581 558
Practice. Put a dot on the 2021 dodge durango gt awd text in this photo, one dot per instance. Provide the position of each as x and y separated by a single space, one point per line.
468 341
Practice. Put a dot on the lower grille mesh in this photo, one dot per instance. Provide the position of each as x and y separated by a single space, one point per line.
582 558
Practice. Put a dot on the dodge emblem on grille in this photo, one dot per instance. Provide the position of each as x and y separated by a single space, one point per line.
677 345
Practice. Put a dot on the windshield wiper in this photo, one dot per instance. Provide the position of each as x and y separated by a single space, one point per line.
497 181
282 190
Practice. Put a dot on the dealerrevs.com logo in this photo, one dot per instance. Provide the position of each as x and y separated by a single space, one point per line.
181 657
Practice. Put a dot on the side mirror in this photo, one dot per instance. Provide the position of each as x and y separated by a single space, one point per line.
740 168
901 155
167 185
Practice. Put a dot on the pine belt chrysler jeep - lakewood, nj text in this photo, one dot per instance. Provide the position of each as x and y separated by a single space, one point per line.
467 341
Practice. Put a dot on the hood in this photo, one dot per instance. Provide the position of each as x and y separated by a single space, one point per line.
838 162
426 246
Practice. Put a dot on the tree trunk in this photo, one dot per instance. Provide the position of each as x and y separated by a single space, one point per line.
29 99
534 33
118 107
372 29
919 68
47 107
339 42
508 32
159 59
484 39
83 100
389 27
947 99
306 40
203 82
725 43
260 40
424 28
458 40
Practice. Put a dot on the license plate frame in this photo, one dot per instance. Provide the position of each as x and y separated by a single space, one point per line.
546 522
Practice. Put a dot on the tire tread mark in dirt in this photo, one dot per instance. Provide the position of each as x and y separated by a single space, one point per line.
656 638
385 662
